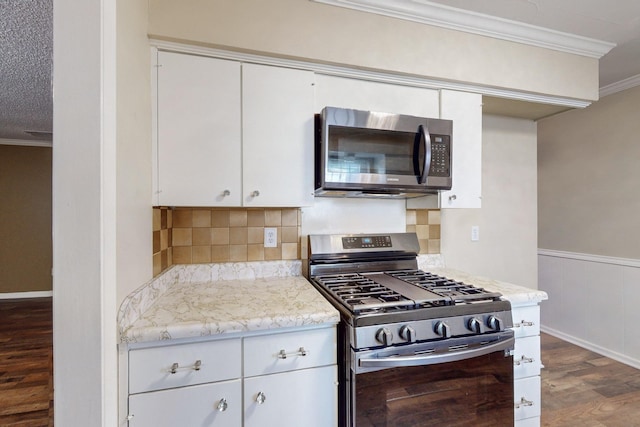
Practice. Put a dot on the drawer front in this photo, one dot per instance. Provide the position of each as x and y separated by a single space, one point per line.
526 321
218 404
177 365
526 357
289 351
528 422
526 393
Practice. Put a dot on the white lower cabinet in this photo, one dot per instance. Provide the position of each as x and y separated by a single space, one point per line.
304 397
526 366
285 379
217 404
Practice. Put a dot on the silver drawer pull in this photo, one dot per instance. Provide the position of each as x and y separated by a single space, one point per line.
523 359
260 398
301 352
523 323
523 402
222 405
175 367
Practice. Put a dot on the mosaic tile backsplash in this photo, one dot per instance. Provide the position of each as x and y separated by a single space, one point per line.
206 235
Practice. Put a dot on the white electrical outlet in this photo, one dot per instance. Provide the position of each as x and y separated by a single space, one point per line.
270 237
475 233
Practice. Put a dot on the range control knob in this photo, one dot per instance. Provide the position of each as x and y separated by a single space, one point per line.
384 336
494 323
442 329
474 325
407 333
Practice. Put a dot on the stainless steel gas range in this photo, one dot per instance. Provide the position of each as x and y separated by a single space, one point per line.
415 349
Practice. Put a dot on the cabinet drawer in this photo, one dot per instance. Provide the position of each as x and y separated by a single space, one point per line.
152 368
526 393
218 404
526 321
289 351
526 357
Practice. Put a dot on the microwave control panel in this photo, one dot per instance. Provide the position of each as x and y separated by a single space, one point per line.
440 156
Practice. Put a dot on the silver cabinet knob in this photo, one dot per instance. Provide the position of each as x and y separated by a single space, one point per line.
198 365
226 193
174 368
452 197
260 398
255 193
222 405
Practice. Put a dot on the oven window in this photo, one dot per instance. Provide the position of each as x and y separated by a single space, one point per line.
474 392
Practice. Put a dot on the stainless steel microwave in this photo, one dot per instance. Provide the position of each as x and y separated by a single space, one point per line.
381 155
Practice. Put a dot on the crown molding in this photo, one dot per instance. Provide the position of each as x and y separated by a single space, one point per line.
439 15
25 142
619 86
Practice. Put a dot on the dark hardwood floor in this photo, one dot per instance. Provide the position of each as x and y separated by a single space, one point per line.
584 389
579 388
26 362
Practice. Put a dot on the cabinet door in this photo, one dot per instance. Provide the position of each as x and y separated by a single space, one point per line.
277 135
216 404
198 131
465 109
305 397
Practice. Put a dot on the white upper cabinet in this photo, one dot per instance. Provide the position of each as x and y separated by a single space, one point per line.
198 131
367 95
277 132
465 109
232 134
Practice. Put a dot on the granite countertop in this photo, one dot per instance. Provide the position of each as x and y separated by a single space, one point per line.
517 295
190 301
214 299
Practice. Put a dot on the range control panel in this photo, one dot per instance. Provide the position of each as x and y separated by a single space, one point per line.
365 242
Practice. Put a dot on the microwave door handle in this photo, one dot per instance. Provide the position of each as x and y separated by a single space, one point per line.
426 140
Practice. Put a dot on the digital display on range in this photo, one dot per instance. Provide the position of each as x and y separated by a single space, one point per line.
366 242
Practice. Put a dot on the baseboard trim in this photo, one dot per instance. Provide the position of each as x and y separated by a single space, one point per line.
635 363
18 295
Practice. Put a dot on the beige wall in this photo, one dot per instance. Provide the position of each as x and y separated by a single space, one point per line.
25 219
588 178
317 32
508 218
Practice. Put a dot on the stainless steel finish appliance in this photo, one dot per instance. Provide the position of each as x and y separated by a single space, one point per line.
415 349
372 154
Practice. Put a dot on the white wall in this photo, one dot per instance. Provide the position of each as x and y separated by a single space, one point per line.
507 249
102 196
84 176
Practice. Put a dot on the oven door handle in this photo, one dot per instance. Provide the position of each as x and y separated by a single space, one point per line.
438 357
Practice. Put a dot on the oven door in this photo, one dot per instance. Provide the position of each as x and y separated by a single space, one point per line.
455 382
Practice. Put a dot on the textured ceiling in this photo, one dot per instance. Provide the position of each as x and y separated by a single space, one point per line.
26 49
